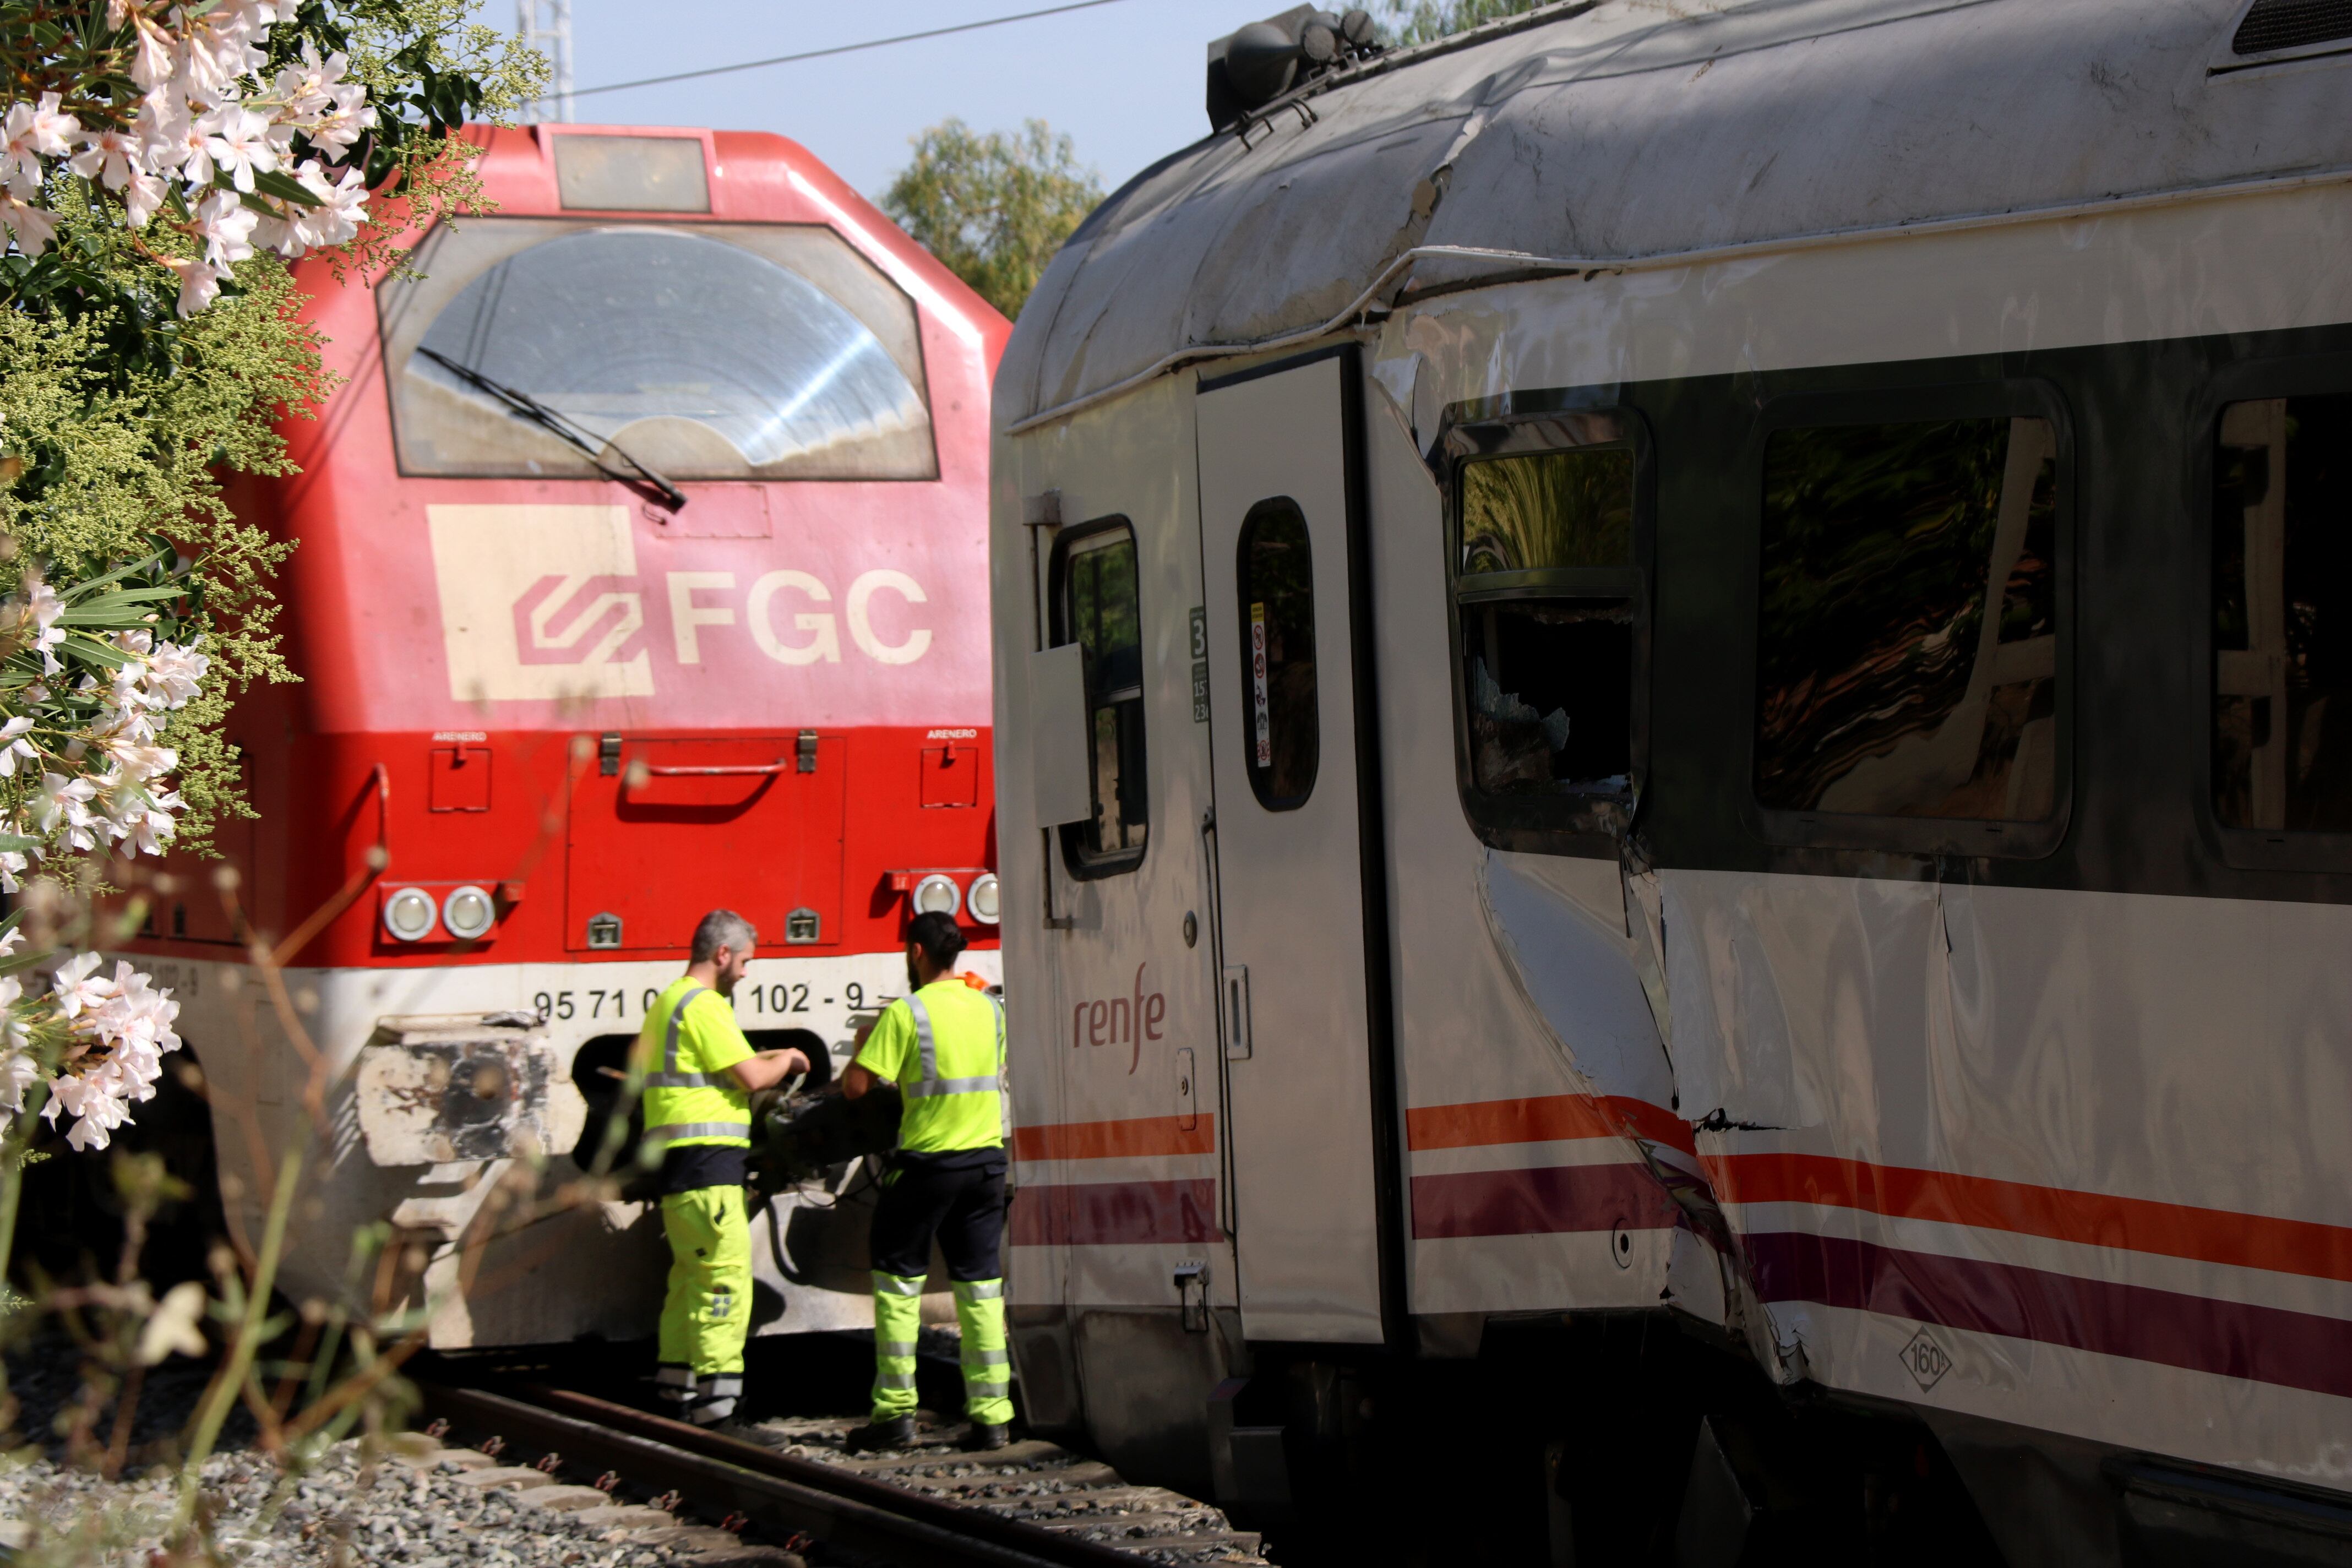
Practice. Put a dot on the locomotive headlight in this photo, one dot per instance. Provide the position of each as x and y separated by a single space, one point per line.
468 912
937 895
409 914
983 898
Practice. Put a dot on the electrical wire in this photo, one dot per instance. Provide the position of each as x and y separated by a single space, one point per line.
844 49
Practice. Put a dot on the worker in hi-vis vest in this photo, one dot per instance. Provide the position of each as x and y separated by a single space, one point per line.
697 1074
943 1045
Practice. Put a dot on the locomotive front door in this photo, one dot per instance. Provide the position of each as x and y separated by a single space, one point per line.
1303 1002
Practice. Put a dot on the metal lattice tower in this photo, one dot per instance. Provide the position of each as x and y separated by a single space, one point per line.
546 26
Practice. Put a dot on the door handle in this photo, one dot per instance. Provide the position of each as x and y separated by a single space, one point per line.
1237 1014
779 765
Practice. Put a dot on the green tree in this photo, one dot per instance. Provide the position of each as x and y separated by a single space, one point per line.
1413 22
993 208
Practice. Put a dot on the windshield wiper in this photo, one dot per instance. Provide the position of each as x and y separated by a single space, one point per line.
539 414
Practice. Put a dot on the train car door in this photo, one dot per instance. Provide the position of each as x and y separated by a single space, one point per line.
1304 1021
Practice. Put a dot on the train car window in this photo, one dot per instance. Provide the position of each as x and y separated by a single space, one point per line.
1097 609
1548 669
2281 732
1908 626
1277 582
705 351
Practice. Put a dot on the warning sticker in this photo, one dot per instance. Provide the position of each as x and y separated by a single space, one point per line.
1257 686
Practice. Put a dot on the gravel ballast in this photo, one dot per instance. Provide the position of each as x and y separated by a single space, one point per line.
419 1509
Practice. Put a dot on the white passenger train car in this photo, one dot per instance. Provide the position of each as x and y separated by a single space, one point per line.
1671 788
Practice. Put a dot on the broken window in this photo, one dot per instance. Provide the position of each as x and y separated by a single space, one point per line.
1548 607
2282 616
1907 631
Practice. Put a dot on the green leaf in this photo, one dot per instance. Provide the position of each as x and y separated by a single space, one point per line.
285 187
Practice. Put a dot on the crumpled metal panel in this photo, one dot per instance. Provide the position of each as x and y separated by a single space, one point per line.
432 1090
1637 130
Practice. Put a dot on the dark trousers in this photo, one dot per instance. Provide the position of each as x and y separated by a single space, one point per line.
963 1208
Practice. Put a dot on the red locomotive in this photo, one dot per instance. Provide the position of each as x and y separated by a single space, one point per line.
642 571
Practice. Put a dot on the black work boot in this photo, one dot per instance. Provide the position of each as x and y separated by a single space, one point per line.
896 1433
980 1437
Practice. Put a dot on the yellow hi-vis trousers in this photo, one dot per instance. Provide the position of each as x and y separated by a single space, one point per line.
708 1313
979 1312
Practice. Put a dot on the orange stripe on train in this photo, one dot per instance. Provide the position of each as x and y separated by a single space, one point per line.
2093 1219
1542 1118
1136 1136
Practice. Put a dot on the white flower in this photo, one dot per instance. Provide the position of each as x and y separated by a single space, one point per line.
226 225
32 227
13 745
163 126
140 202
238 146
342 210
339 126
60 807
173 1328
173 674
9 942
97 1111
108 155
139 762
30 618
199 284
76 991
13 865
40 128
306 88
157 61
18 1073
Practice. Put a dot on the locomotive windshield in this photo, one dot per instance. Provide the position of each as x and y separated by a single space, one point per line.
708 352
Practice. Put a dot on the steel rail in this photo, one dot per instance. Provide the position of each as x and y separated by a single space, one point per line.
775 1489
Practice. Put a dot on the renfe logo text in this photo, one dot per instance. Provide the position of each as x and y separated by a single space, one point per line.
1122 1020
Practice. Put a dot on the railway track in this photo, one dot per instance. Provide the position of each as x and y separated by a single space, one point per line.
1030 1505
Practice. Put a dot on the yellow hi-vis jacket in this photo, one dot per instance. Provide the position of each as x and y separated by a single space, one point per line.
688 1041
944 1048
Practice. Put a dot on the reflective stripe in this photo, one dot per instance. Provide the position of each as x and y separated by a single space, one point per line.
685 1080
677 1017
931 1086
977 1290
925 1046
891 1285
894 1380
894 1347
674 1375
663 1134
997 1357
984 1390
726 1385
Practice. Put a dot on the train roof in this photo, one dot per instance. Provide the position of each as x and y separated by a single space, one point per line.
1637 132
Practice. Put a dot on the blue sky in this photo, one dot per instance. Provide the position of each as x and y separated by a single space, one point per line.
1124 80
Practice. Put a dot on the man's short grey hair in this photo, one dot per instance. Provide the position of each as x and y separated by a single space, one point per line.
723 928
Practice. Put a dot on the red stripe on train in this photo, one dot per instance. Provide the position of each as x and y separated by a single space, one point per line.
2091 1219
1546 1200
1103 1214
1542 1118
2231 1338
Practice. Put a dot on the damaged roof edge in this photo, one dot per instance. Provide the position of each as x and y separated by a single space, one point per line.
1590 144
1511 267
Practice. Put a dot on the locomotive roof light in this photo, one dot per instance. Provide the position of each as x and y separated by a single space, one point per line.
409 914
936 894
985 899
468 912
